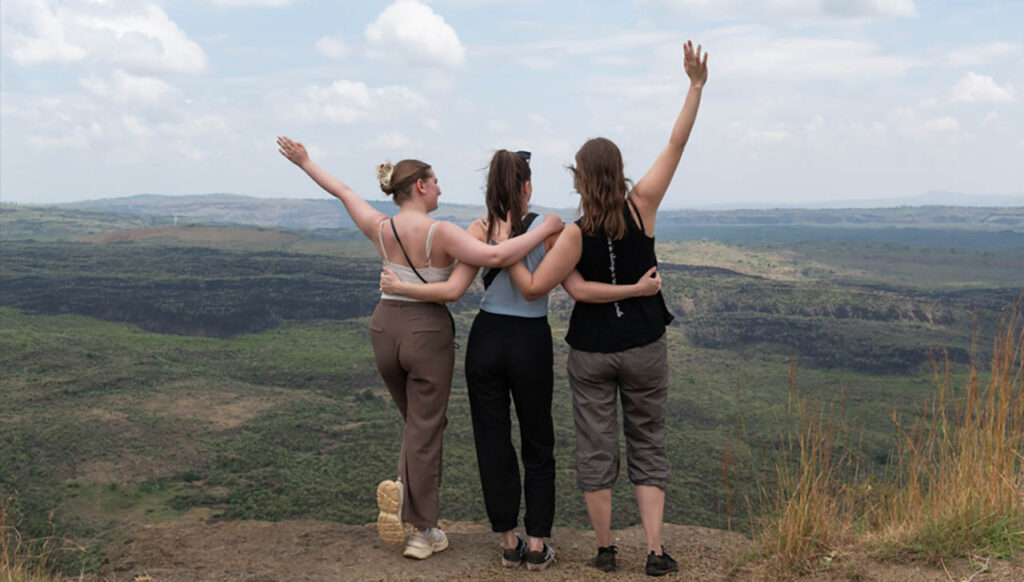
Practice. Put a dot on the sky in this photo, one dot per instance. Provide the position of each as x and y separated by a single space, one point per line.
806 101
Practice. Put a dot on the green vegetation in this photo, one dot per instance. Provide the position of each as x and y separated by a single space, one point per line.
202 372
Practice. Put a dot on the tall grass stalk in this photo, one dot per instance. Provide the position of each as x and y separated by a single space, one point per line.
804 519
962 465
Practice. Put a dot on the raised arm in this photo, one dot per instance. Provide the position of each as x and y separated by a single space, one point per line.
585 291
464 247
556 266
363 214
450 290
650 189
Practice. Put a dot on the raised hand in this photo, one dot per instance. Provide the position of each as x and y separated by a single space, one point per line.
293 150
696 67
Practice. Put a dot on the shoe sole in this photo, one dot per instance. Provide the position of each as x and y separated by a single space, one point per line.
538 567
424 553
509 563
389 520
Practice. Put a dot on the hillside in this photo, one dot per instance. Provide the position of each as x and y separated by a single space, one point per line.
246 347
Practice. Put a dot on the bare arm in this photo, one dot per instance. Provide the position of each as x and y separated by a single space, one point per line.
650 189
363 214
450 290
556 266
464 247
593 292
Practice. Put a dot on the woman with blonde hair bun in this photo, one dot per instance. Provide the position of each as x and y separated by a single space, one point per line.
413 340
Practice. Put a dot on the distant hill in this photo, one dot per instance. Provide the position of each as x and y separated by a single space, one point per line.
268 212
327 213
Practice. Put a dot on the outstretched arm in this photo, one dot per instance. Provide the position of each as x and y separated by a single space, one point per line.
556 266
593 292
450 290
650 189
365 216
464 247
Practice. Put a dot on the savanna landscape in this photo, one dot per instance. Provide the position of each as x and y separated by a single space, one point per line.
188 392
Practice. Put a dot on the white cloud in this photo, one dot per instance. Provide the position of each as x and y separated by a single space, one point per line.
432 124
347 101
253 2
417 34
991 118
32 33
982 54
124 87
975 88
390 141
332 46
145 38
941 124
857 9
799 58
868 8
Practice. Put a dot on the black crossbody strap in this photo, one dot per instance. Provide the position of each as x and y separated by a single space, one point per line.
405 254
490 274
638 217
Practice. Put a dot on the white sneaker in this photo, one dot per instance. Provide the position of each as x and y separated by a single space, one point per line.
424 543
390 527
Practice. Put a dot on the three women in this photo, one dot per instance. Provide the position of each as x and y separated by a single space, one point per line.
618 348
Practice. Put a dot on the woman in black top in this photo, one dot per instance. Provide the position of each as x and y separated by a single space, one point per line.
617 345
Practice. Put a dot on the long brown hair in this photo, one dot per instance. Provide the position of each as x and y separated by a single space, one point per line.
506 177
601 181
401 178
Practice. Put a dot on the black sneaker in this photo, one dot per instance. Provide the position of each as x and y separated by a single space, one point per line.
660 565
511 558
537 561
605 559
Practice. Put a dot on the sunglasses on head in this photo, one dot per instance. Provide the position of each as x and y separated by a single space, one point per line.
525 155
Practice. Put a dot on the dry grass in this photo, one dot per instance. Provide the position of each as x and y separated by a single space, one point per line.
961 465
958 490
28 560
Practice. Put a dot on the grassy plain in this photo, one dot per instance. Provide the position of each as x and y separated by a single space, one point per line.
197 372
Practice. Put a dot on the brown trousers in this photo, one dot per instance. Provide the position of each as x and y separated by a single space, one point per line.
414 347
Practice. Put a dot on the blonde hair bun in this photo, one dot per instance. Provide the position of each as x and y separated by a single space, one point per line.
384 172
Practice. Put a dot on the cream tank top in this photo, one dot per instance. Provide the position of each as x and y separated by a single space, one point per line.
406 274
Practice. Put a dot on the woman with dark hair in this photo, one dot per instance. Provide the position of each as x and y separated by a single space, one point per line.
413 340
508 359
618 348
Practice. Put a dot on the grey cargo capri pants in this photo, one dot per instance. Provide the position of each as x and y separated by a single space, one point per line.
639 376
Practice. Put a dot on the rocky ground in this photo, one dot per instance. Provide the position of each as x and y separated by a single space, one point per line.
253 551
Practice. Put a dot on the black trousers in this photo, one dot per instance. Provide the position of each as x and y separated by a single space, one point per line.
509 358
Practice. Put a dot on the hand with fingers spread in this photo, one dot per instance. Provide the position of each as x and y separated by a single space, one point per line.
696 67
293 150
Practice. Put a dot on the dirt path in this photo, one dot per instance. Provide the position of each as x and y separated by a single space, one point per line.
253 551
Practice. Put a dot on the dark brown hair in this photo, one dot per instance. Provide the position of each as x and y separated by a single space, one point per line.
404 174
601 181
506 177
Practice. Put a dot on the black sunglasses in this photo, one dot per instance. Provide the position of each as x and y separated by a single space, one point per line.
525 155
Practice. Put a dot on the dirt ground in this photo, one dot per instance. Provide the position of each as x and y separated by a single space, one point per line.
253 551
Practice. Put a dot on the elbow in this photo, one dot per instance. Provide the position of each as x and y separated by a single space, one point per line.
532 295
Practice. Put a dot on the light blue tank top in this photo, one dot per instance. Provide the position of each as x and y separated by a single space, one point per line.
503 298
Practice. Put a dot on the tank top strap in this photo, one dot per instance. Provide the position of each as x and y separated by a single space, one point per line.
430 239
380 235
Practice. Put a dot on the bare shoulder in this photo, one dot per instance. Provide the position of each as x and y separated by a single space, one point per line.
478 228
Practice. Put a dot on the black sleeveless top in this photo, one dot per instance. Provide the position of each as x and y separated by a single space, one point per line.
633 322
